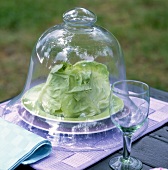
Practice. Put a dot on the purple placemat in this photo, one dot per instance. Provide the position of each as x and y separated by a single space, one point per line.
74 160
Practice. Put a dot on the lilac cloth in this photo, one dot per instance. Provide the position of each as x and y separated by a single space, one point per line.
74 160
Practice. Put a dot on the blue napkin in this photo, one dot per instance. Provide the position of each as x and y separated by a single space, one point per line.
19 146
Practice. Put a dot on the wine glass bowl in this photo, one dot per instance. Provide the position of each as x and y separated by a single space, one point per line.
132 116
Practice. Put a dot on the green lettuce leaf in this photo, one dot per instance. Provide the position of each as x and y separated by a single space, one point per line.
78 90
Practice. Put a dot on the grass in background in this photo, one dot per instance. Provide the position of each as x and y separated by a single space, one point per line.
140 26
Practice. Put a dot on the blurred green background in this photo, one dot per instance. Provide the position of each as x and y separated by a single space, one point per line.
141 26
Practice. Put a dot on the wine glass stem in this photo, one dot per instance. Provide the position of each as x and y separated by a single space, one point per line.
127 141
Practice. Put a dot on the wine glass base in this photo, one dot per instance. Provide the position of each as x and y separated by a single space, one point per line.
117 163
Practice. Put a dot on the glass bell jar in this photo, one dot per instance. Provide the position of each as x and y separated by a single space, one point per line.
66 95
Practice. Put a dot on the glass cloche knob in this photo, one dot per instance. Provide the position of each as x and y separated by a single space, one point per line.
79 17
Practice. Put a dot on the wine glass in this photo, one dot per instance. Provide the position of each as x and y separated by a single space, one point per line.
132 100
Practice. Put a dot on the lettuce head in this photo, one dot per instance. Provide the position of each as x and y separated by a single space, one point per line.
78 90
